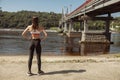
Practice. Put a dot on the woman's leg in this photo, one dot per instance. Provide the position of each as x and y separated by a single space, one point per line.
30 57
38 54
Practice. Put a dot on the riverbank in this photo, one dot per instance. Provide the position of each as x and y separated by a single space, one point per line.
20 30
100 67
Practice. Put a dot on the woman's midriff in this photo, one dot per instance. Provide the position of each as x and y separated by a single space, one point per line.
35 36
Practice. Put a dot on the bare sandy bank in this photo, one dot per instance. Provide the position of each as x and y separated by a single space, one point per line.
102 67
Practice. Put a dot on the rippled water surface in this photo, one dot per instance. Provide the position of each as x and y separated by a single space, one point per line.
13 43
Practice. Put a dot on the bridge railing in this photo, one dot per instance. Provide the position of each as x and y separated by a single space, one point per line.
96 3
79 8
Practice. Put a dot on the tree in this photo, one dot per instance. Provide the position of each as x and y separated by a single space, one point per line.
23 18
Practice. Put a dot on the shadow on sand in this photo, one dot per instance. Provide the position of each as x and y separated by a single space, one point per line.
65 72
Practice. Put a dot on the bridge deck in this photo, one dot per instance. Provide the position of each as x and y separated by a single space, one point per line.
96 7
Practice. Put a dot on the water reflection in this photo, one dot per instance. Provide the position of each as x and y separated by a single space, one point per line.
95 48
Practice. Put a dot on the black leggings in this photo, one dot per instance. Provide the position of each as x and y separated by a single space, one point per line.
35 45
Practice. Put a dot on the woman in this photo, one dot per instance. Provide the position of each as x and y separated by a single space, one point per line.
35 31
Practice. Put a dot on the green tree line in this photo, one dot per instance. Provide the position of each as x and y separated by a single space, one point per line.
98 24
21 19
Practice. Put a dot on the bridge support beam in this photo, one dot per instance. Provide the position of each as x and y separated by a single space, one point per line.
107 33
70 26
65 26
62 26
85 30
81 24
83 39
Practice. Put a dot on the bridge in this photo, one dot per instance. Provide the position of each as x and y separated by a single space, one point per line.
95 7
90 10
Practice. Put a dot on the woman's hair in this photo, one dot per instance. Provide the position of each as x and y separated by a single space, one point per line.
35 23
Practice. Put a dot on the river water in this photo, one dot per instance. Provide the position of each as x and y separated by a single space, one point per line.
12 43
115 38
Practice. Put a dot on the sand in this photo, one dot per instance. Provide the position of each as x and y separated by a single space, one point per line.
100 67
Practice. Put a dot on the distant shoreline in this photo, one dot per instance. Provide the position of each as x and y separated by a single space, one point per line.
47 30
11 29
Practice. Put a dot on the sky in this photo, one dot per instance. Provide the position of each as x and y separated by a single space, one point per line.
40 5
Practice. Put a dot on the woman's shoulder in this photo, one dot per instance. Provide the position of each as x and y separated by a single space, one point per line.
29 26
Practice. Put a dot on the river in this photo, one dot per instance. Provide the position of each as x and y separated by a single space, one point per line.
12 43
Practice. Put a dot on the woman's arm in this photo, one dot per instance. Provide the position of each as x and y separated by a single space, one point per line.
25 32
45 35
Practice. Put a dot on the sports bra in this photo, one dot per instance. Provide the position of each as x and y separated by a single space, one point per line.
35 32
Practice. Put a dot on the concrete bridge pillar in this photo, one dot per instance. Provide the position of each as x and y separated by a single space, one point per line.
85 30
83 45
81 24
83 38
62 26
70 26
107 33
65 26
85 26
